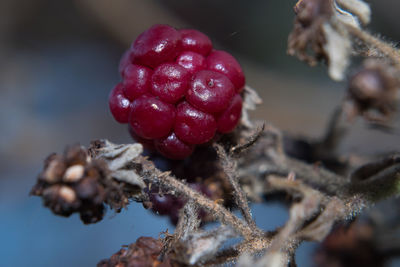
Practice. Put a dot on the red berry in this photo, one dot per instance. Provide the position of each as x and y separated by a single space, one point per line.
170 82
192 125
151 118
191 61
195 41
124 62
228 120
119 104
161 203
159 44
210 91
225 63
176 91
136 80
173 148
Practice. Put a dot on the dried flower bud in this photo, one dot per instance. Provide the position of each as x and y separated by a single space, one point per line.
144 252
372 91
74 173
60 199
74 182
54 168
308 11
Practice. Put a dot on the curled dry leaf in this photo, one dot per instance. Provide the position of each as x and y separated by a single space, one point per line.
203 245
118 157
319 33
251 100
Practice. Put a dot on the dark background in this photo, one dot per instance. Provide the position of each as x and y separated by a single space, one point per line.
58 62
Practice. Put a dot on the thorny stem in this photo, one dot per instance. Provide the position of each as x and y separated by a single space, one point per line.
382 46
237 150
230 168
153 175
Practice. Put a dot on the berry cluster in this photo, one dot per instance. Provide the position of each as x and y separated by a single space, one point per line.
177 92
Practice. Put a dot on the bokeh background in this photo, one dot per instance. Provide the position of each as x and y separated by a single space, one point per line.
58 62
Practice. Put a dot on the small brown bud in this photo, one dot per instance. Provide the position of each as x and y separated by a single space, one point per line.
54 169
74 173
367 85
75 155
67 194
372 91
308 11
87 188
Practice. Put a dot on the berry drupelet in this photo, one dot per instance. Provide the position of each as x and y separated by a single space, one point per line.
176 91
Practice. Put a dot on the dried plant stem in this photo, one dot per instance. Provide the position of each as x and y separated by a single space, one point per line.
392 53
230 168
154 176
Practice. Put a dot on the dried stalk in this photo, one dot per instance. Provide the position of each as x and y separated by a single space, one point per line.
368 39
154 176
230 168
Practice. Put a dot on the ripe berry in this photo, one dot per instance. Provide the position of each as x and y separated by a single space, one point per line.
151 118
228 120
192 125
176 92
225 63
172 147
161 203
170 82
195 41
191 61
159 44
166 204
136 80
210 91
119 104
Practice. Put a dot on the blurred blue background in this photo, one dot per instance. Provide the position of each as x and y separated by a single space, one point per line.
58 62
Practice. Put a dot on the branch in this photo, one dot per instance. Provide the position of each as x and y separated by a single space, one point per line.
230 168
154 176
392 53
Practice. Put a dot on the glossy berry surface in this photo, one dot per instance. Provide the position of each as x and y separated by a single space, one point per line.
136 80
119 104
195 41
176 91
170 82
159 44
228 120
172 147
210 91
225 63
151 118
194 126
191 61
